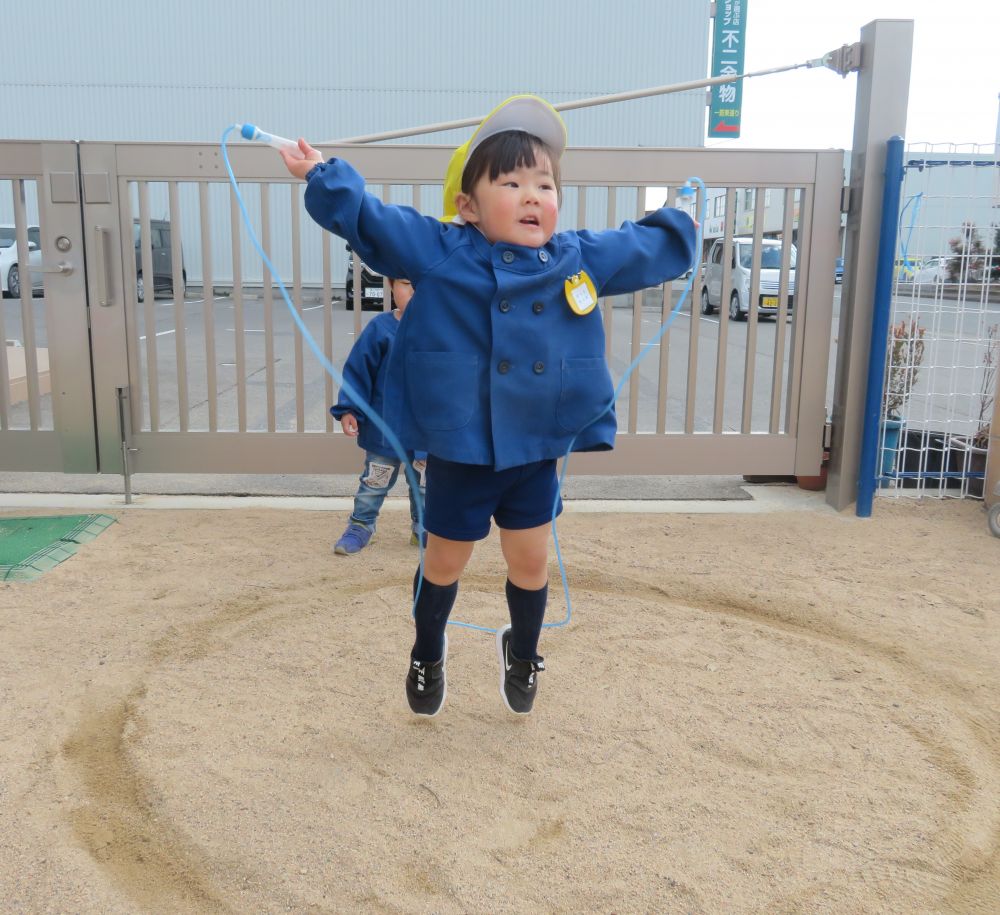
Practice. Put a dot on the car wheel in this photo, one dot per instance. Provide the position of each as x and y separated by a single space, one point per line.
994 520
140 289
735 313
706 305
14 283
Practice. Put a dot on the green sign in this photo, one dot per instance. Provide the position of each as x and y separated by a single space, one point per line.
729 43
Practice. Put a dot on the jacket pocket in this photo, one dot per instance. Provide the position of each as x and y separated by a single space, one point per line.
585 393
443 389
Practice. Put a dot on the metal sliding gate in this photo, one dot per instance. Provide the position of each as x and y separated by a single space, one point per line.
155 321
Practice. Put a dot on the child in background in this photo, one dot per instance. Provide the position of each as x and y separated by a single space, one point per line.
365 371
498 364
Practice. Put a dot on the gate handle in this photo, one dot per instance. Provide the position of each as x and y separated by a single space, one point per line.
103 276
62 267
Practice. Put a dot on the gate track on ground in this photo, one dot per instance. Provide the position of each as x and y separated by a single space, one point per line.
151 862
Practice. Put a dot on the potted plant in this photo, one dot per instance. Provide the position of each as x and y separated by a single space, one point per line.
906 353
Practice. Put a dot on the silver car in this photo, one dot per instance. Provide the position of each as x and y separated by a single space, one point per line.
10 273
738 295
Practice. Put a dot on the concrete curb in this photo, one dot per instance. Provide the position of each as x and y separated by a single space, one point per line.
762 499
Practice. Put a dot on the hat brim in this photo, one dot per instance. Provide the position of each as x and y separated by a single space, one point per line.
529 113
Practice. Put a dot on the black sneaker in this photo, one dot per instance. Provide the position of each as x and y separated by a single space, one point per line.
426 685
518 679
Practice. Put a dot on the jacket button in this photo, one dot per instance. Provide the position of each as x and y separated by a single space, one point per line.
504 306
543 256
539 367
508 257
504 367
538 307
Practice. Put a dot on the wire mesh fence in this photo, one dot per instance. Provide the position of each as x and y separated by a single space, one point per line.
944 344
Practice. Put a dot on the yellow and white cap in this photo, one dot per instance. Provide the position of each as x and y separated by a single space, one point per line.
529 113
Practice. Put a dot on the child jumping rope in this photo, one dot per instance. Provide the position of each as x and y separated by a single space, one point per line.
499 360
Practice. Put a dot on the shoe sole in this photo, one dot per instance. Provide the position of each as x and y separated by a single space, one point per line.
444 695
503 670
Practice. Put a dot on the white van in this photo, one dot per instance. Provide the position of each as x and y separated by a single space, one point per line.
738 294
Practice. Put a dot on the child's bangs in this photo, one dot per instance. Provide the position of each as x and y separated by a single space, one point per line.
515 149
504 153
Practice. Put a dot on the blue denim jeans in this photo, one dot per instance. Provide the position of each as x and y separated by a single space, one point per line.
378 477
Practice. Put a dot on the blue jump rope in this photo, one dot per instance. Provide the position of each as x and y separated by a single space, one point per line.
250 132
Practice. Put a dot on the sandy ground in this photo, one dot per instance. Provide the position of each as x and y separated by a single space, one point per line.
203 712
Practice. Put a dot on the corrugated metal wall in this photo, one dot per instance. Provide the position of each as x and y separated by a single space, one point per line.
120 70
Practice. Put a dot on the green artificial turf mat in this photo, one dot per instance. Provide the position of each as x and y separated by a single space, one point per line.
31 546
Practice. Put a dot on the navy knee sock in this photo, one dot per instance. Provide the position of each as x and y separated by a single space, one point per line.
527 610
431 617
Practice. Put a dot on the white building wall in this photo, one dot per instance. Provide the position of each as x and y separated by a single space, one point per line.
121 70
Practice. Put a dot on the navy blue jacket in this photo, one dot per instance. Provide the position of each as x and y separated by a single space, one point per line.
365 371
490 365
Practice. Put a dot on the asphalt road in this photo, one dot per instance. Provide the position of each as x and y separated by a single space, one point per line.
947 362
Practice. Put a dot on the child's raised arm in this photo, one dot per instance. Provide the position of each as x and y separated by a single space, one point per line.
301 167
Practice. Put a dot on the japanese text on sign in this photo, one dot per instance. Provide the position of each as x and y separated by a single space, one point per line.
729 40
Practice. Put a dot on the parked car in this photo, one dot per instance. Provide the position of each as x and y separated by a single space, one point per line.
162 251
739 295
838 270
10 274
932 270
372 290
903 270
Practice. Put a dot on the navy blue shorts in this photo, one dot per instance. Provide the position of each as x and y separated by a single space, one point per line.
461 498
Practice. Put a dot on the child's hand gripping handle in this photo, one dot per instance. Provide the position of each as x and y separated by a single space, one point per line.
299 158
251 132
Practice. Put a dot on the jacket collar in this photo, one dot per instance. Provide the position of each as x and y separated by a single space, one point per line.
515 258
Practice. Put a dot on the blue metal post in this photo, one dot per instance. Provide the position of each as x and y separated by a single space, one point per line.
867 473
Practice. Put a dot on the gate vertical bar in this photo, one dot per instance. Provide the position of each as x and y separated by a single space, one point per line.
68 295
327 300
797 335
208 303
719 396
27 295
750 362
666 307
129 305
149 308
636 342
300 378
880 113
695 332
239 324
4 375
265 241
821 227
180 331
608 303
780 322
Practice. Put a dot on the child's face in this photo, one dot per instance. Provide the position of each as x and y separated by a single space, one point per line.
402 292
520 207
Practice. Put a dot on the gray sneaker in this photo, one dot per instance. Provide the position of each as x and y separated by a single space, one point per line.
518 679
